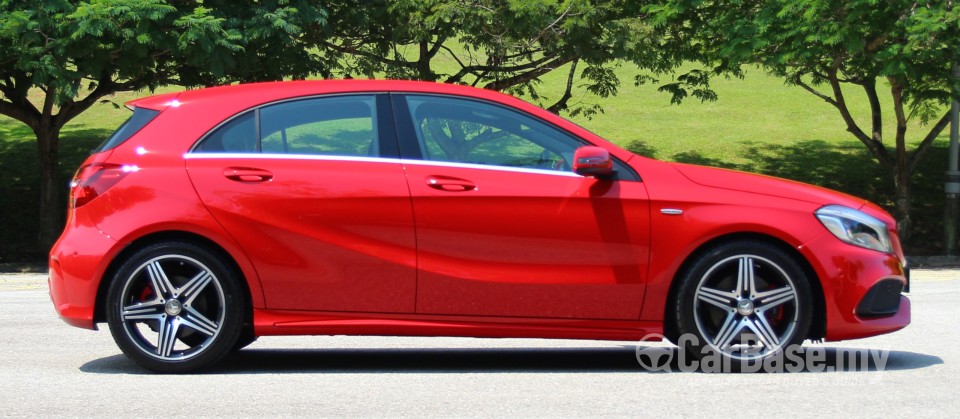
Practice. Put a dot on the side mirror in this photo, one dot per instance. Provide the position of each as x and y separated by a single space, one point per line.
593 161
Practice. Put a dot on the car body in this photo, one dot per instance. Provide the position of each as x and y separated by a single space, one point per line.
366 207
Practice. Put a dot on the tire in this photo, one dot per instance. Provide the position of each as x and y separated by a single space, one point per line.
743 303
175 307
246 338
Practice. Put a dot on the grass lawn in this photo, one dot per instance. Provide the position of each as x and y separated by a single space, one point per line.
757 125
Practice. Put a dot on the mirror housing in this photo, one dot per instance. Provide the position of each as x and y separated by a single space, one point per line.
593 161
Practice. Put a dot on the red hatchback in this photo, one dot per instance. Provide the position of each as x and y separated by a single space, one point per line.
215 216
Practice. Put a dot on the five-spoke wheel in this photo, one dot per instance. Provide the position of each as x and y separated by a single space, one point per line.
745 301
175 307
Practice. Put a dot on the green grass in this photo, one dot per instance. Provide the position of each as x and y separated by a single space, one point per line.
757 125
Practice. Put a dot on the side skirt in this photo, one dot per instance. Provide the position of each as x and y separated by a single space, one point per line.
283 322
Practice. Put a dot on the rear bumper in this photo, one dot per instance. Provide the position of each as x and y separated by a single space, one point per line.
75 272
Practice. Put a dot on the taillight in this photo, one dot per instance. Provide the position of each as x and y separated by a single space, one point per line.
94 179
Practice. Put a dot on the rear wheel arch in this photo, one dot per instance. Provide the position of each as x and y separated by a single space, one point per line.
817 328
99 314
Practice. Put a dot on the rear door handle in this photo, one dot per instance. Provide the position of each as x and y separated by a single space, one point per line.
247 174
450 184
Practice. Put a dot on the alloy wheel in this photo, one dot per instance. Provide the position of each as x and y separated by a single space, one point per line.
746 307
172 307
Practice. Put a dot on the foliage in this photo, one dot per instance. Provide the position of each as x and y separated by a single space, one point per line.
758 124
59 57
905 47
505 45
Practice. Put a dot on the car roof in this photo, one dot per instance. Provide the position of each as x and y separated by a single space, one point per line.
218 103
246 95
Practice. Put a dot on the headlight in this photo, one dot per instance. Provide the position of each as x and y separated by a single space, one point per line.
855 227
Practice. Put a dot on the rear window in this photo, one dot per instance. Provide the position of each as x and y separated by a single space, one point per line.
140 118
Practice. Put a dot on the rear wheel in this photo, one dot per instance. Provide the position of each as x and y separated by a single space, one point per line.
744 302
175 307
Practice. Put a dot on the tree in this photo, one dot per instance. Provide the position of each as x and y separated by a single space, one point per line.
505 45
60 57
901 48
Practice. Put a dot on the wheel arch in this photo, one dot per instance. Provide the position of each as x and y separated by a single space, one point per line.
99 312
818 322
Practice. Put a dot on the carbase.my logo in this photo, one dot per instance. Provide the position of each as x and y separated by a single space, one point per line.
793 358
655 358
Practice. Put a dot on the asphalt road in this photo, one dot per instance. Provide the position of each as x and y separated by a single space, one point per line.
50 369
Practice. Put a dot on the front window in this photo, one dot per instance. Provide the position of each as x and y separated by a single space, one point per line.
467 131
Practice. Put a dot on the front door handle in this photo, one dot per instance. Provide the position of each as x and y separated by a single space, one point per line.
450 184
247 174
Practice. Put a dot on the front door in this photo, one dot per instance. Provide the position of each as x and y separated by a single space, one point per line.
504 228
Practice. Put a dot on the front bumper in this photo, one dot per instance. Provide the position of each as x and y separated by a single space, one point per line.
861 289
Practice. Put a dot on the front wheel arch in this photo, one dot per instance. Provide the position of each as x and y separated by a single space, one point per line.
818 324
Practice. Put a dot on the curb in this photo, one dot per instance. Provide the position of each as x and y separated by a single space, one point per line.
933 262
23 268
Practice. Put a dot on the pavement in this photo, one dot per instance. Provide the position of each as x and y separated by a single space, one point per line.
48 368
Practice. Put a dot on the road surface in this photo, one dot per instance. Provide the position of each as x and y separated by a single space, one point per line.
48 368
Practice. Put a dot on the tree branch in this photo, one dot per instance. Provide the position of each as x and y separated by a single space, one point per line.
105 86
438 44
870 88
896 90
366 54
568 92
928 140
30 117
875 147
530 75
474 69
815 92
554 23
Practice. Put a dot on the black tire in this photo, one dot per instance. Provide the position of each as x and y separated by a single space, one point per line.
246 338
175 307
743 303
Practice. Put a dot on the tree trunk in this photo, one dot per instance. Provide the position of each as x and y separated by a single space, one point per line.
52 187
902 183
902 169
424 72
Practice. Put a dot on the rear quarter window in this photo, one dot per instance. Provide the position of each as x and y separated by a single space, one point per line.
140 118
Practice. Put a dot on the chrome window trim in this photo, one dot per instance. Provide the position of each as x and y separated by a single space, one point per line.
405 162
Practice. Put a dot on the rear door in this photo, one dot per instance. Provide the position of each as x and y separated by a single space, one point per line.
314 193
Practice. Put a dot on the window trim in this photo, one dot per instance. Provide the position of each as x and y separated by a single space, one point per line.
386 133
391 160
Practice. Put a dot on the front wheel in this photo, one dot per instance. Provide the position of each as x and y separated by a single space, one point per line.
175 307
744 301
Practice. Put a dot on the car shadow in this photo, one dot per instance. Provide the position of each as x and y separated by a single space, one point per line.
499 360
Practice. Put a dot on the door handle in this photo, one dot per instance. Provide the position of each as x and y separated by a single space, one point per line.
450 184
247 174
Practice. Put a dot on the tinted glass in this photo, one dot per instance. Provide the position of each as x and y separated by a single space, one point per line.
140 118
341 126
467 131
239 135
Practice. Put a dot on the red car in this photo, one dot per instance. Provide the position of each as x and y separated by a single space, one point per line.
215 216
